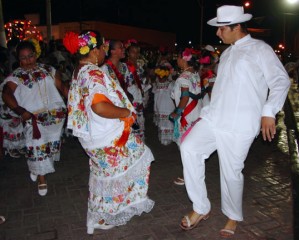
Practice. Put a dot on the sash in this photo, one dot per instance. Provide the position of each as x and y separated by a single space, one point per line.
127 123
119 76
186 111
133 70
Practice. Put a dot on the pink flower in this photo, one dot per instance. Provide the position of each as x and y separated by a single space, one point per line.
187 54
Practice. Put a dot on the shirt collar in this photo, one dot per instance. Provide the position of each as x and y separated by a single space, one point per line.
243 39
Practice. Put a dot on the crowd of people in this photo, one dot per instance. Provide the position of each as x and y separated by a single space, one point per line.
97 90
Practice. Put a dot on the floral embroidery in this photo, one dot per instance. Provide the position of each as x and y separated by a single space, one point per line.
42 152
28 77
50 117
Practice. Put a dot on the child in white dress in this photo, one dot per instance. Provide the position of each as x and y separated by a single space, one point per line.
163 104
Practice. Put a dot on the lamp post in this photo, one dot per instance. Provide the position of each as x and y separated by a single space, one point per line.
2 31
49 20
200 3
285 43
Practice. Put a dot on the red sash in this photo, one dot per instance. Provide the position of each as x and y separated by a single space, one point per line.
119 76
207 74
188 110
133 70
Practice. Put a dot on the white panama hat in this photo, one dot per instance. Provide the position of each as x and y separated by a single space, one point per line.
227 15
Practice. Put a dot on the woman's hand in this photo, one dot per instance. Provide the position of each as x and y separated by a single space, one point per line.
174 116
26 116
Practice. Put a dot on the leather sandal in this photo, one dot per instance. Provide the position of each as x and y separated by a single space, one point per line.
227 233
195 224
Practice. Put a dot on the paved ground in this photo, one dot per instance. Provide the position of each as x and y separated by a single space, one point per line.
62 213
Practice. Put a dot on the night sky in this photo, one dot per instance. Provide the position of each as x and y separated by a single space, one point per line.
180 17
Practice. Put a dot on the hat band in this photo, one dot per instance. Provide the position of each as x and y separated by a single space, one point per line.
223 22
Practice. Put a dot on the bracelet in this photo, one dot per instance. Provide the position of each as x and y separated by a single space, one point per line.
178 111
130 115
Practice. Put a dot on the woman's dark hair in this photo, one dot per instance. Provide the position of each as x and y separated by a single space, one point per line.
112 44
25 45
132 45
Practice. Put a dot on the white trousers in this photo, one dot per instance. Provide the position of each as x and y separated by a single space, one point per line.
232 150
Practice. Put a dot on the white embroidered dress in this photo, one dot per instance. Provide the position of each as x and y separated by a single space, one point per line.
118 182
192 82
163 107
37 93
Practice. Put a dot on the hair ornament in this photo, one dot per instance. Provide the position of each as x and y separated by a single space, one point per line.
36 45
188 53
162 71
81 44
129 42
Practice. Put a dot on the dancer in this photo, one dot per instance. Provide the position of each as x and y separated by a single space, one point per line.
32 92
250 88
100 115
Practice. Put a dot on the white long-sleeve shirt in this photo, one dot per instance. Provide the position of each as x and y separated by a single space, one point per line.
247 70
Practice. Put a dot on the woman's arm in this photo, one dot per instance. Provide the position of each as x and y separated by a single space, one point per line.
182 104
60 85
108 110
10 100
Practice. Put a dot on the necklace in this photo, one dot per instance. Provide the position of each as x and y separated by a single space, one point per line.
86 62
186 69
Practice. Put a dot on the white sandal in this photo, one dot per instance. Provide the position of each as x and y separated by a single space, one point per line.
179 181
33 177
102 226
42 189
2 220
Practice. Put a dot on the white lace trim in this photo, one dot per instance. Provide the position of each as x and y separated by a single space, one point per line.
117 185
121 218
43 167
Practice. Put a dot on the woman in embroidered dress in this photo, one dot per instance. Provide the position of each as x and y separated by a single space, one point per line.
187 96
113 65
13 140
32 92
135 74
100 115
163 104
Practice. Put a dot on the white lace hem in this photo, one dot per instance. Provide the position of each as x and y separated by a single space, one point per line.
43 167
117 185
121 218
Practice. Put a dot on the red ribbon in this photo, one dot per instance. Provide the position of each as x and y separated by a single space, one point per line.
207 74
187 110
35 133
119 76
133 70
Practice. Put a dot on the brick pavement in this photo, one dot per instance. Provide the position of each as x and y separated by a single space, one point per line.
62 213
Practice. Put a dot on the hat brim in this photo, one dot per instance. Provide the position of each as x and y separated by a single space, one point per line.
244 18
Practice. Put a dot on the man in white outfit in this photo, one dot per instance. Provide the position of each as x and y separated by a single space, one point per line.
240 107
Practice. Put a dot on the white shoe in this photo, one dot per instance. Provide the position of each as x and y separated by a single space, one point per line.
103 226
42 189
33 177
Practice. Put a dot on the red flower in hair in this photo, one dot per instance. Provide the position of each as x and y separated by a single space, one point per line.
195 52
71 42
92 34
